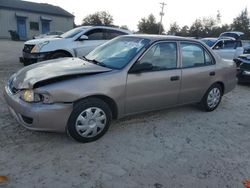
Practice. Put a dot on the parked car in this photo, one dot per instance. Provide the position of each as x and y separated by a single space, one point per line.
127 75
228 45
51 34
243 65
246 50
77 42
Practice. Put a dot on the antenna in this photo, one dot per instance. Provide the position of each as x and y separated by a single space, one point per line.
161 14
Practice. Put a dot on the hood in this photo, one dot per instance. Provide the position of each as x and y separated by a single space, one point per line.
54 69
41 40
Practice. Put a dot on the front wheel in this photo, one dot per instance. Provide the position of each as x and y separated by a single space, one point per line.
212 98
89 120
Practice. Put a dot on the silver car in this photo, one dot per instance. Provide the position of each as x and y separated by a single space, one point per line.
127 75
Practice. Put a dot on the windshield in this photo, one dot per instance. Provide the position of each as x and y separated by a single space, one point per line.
71 33
209 42
118 52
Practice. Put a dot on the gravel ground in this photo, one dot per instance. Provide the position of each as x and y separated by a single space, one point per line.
180 147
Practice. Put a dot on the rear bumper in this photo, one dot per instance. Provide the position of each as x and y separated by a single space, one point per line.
38 116
30 58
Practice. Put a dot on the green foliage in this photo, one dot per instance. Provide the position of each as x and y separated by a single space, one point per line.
149 25
211 27
98 18
242 23
124 27
174 29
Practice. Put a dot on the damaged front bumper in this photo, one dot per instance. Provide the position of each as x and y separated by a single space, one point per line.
38 116
30 58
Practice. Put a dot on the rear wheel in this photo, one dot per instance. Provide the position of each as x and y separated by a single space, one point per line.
212 98
89 120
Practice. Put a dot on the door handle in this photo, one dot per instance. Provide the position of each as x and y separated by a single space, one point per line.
212 73
175 78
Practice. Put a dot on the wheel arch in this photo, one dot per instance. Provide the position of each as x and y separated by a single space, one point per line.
222 86
63 51
111 103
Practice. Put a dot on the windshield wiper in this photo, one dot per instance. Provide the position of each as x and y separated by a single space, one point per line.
95 62
99 63
84 58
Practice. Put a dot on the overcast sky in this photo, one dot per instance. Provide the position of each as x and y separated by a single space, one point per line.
129 12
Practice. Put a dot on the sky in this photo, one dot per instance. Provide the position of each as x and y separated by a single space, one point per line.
129 12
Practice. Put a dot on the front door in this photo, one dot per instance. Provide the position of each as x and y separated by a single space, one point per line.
45 26
198 72
21 28
226 49
96 37
156 88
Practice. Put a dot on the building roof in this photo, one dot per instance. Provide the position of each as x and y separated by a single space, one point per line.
43 8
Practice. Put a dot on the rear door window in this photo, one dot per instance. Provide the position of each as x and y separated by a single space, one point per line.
193 55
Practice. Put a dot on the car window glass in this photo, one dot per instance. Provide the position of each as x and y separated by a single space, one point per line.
219 45
229 44
194 55
95 34
118 52
208 59
110 34
161 56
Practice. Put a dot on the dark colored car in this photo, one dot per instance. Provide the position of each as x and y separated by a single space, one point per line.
243 64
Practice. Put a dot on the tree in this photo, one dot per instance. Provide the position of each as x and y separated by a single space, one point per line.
149 25
242 23
184 31
98 18
174 29
196 28
124 27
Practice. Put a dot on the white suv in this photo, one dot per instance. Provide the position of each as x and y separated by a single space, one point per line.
77 42
228 45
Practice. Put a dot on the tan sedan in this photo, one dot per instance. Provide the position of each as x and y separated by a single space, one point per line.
127 75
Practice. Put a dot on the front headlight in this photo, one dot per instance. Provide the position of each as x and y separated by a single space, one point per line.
37 48
28 95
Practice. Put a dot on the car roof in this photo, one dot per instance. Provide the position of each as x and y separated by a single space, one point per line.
104 27
210 38
162 37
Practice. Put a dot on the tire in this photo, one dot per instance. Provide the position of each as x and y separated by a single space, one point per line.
89 120
57 55
212 98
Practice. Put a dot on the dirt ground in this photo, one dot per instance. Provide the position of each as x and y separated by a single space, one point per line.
180 147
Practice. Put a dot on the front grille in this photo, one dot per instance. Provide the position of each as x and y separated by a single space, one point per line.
245 66
28 47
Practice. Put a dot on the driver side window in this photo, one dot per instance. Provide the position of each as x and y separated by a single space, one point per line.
95 34
162 56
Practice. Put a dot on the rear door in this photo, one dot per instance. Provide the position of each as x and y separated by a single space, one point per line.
156 88
198 72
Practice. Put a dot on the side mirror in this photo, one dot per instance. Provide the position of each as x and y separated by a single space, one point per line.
83 37
141 67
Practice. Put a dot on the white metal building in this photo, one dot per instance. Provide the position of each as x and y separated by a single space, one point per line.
29 19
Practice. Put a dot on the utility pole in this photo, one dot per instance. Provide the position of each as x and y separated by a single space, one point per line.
161 14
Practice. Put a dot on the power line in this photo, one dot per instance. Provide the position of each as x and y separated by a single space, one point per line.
161 14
